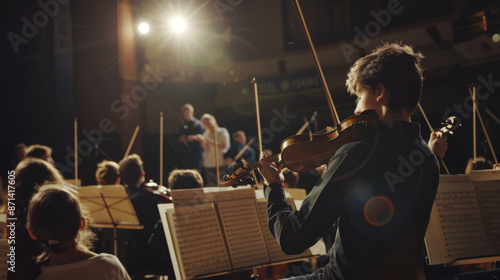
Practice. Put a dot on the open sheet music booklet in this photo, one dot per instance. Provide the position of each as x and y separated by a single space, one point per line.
465 219
214 230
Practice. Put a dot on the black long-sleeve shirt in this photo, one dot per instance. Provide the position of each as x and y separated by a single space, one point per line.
379 192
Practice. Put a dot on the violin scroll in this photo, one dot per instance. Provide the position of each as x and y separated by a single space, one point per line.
451 124
162 193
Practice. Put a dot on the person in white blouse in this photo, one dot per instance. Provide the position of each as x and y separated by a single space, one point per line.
211 151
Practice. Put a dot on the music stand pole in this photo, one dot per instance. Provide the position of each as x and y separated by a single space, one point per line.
115 232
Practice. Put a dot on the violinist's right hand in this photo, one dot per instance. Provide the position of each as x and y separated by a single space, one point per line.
270 172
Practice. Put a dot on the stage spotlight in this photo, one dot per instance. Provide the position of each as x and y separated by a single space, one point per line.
496 37
178 24
144 28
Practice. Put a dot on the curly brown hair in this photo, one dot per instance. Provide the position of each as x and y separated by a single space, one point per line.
398 68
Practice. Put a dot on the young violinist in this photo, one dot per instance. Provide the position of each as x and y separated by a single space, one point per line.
378 190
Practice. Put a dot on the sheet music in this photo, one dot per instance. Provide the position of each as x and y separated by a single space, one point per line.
198 240
116 199
485 175
242 230
462 224
189 197
487 186
489 199
218 236
456 226
210 194
216 194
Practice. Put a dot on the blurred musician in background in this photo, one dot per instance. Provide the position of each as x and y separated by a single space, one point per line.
45 153
40 151
192 157
31 174
19 154
141 256
185 179
207 140
249 154
107 173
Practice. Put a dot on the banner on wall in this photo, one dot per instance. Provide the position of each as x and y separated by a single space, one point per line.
289 83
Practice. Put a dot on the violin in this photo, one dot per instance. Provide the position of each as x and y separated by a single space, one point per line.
161 193
305 152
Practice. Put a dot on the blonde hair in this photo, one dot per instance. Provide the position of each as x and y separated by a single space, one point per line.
185 179
54 218
211 119
107 172
187 106
38 151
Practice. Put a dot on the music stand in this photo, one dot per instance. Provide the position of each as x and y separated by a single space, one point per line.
110 207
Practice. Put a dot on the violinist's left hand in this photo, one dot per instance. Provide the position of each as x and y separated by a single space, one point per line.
270 172
438 144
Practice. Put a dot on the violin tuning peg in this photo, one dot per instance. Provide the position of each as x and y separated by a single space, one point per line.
246 181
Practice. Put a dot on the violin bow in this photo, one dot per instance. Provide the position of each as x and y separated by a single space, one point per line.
495 118
253 85
76 150
244 149
161 148
216 156
472 93
322 79
255 91
131 142
432 130
307 123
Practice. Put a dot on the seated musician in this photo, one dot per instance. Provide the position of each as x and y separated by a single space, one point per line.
41 152
378 190
142 258
178 179
66 239
31 173
241 139
45 153
185 179
107 173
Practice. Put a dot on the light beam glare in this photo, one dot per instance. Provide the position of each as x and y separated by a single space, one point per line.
143 28
178 25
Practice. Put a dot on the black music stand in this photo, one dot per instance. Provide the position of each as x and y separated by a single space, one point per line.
110 207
